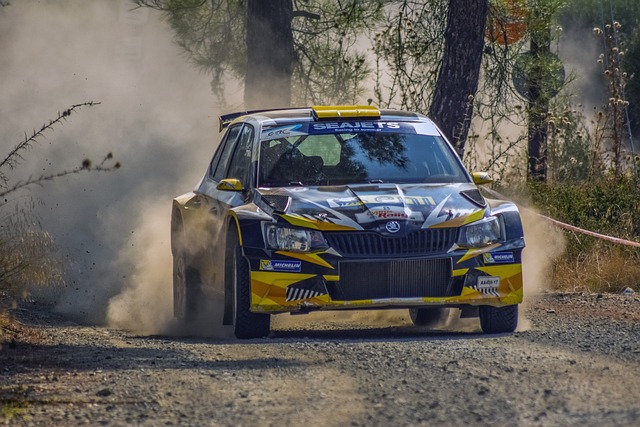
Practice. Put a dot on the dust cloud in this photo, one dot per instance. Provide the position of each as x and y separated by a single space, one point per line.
145 305
156 116
545 243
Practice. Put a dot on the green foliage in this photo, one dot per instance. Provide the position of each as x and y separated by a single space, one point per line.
609 206
632 68
594 13
585 15
327 67
212 35
572 158
10 409
408 49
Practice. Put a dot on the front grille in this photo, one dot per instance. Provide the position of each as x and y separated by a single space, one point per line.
407 278
356 244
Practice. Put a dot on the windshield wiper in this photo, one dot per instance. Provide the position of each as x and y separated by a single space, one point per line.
376 181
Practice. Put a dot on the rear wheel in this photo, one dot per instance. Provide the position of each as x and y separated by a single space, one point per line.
246 324
495 320
428 316
185 287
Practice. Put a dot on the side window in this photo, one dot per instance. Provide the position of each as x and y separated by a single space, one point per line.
219 167
240 167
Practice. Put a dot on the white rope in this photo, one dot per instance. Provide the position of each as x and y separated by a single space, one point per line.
568 226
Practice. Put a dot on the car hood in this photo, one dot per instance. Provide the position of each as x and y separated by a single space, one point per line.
389 209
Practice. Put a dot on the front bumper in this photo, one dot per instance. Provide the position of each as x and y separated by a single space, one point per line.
295 282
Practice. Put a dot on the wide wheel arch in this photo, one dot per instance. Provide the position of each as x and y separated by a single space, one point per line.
232 235
237 311
177 228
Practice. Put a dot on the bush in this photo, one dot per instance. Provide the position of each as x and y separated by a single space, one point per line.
610 206
28 255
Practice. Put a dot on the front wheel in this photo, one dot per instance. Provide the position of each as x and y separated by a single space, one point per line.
246 324
495 320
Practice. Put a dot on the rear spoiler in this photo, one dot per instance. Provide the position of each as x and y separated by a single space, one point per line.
225 119
319 112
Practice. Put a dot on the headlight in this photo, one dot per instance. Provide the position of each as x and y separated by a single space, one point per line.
293 239
480 233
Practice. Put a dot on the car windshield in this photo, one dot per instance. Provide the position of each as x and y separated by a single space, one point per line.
356 158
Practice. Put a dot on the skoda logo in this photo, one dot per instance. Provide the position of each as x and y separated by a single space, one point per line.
393 226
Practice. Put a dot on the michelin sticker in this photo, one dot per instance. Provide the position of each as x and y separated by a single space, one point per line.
498 258
273 265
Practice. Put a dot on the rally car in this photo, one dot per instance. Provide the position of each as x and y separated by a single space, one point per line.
343 207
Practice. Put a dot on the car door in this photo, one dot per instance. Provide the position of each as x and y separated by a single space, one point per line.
233 161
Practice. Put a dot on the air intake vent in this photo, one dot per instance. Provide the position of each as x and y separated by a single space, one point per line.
367 244
413 278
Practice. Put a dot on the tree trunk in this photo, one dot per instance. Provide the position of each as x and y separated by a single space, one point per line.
269 54
452 104
538 112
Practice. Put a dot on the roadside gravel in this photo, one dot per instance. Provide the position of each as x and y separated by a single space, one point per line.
577 363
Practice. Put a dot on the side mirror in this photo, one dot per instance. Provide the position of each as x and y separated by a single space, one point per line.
480 178
230 184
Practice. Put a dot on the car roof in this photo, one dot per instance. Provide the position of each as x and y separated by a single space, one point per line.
287 115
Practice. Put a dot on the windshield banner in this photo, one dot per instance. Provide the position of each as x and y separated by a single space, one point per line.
327 127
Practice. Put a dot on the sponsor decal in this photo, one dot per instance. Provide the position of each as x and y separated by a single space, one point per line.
365 217
328 127
498 258
389 214
396 212
398 200
275 265
348 126
387 199
282 132
345 202
392 226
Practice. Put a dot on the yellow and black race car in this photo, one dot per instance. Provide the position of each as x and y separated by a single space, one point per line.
343 207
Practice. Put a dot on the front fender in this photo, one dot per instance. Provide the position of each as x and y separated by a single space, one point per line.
246 221
511 216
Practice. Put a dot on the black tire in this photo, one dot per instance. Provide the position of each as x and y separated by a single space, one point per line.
186 281
428 316
246 325
495 320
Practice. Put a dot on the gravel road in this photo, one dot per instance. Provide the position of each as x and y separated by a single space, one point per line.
577 363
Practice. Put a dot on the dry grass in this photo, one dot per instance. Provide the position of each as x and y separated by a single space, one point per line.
12 332
603 268
29 257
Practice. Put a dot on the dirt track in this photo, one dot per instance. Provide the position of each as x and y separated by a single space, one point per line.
577 364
